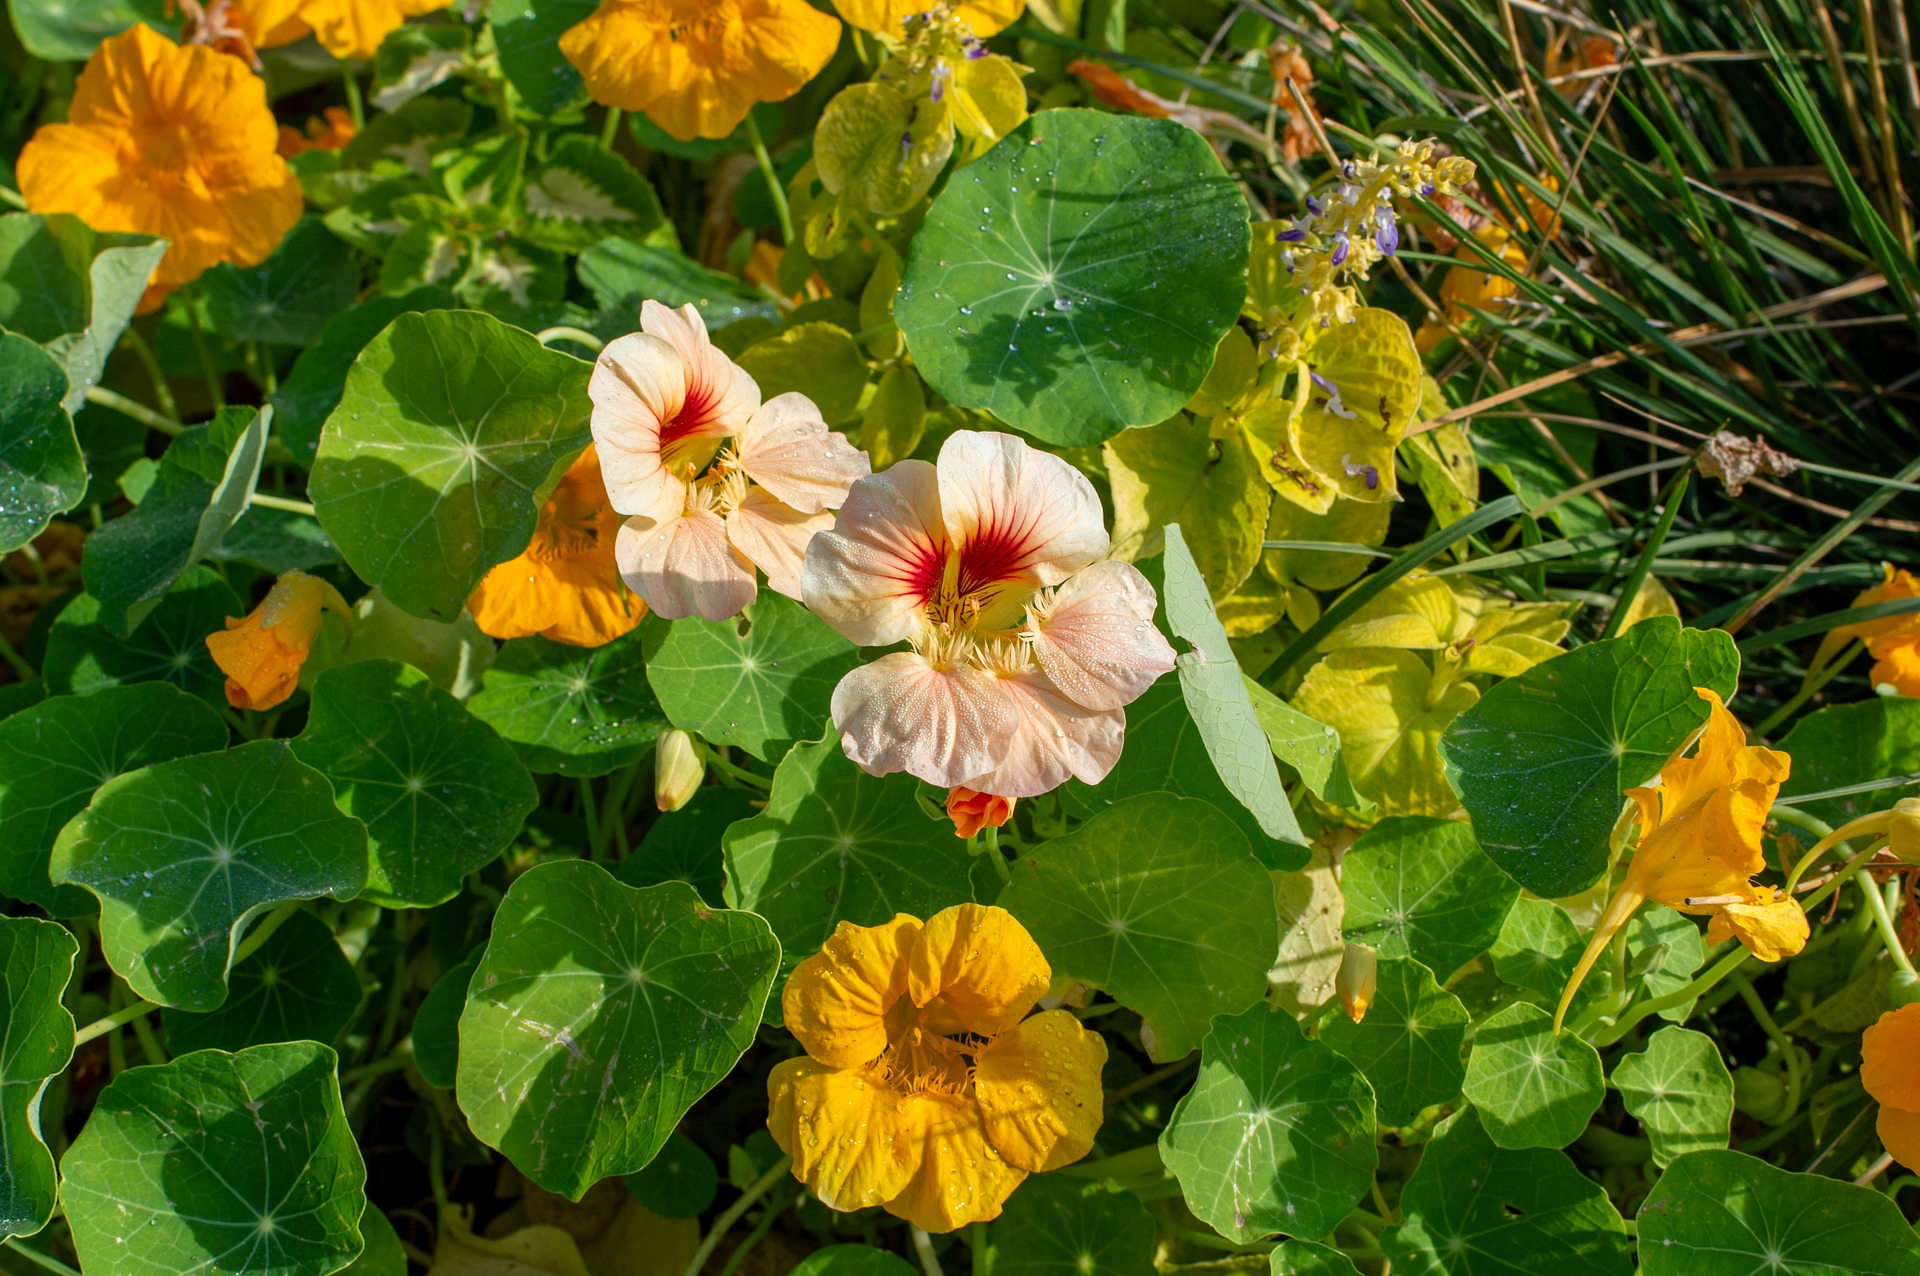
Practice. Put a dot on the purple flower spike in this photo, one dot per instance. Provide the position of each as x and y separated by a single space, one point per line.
1426 189
1340 246
976 51
941 74
1291 235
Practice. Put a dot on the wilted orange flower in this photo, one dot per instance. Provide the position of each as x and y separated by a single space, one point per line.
1892 641
345 28
972 811
168 141
261 653
1471 287
1700 827
565 585
1890 1070
329 134
696 67
925 1088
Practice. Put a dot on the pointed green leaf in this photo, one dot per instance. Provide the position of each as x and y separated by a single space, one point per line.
1534 1089
584 193
84 655
1680 1092
53 756
1408 1046
449 434
1422 888
1542 760
1276 1135
1730 1214
36 1041
69 287
1077 278
290 296
231 1162
836 844
599 1014
621 274
440 793
761 681
182 854
298 986
580 711
1157 901
1474 1209
42 471
1059 1226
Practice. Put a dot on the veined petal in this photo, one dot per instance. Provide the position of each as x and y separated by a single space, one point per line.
1019 519
638 384
1899 1131
846 1131
787 448
721 396
981 965
870 577
1053 738
684 566
960 1178
1711 848
941 723
1888 1051
836 1001
1721 756
773 535
1096 639
1773 927
1039 1091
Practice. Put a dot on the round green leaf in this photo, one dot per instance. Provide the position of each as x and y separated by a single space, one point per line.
290 296
1664 949
579 711
680 1181
836 844
1422 888
1845 744
311 391
1305 1258
298 986
1680 1092
1533 1089
1537 950
42 471
1060 1226
761 681
63 284
440 793
1276 1135
599 1014
53 756
231 1162
1158 901
527 34
1408 1046
684 845
36 1041
1474 1209
436 1025
1730 1214
1075 280
84 655
182 854
383 1255
853 1260
1541 761
448 436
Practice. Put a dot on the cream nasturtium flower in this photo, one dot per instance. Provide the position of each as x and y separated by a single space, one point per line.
702 516
1027 642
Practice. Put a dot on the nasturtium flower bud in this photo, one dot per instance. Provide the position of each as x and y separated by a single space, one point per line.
1358 977
1903 830
1903 988
678 769
971 810
261 653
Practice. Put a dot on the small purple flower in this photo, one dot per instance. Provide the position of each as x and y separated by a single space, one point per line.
1340 246
941 74
1349 171
1387 237
1291 235
975 50
1370 473
906 144
1426 189
1315 208
1334 405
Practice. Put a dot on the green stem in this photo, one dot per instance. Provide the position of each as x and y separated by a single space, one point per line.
1788 1055
1670 499
992 837
731 1215
162 389
1883 922
100 1027
264 501
259 935
610 128
202 351
366 1072
765 1224
590 812
547 336
149 1044
133 408
982 1252
355 107
16 661
773 179
33 1255
923 1248
1808 690
727 768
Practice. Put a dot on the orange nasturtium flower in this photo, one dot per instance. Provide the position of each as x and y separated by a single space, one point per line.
887 17
345 28
1700 827
1890 1070
1892 641
696 67
925 1088
168 141
261 653
565 585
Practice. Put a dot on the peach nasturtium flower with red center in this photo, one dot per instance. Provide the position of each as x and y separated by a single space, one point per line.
168 141
1700 827
1027 642
565 585
715 482
262 652
926 1089
696 67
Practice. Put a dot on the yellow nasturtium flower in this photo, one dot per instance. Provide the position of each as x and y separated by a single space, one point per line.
696 67
344 28
169 141
1890 1070
1699 849
1892 641
261 653
887 17
926 1089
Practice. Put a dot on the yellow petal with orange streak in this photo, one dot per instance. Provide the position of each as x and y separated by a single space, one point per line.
961 1177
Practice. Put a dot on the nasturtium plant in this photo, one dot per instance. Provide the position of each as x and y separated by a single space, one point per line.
870 637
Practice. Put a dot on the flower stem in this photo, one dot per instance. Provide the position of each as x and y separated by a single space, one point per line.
133 408
264 501
32 1255
354 106
18 662
741 774
778 191
102 1026
1883 922
259 935
162 390
992 836
731 1215
610 128
982 1254
203 351
923 1247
